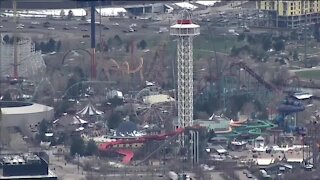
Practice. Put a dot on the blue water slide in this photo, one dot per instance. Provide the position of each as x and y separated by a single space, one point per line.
287 108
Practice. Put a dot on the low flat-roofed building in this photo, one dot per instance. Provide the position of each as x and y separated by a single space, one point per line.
264 161
278 168
218 124
25 166
217 148
159 98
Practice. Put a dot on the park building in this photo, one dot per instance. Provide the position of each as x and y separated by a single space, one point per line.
25 166
288 14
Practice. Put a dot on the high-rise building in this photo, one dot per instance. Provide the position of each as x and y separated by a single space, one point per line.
289 14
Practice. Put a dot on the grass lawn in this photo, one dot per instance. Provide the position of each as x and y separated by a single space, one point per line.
312 74
203 47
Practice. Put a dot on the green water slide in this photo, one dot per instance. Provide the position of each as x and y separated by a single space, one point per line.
255 128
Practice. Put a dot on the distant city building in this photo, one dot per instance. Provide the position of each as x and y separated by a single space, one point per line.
43 13
289 14
30 61
25 166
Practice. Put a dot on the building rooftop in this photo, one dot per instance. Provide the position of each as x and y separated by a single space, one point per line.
217 123
50 176
159 98
25 166
27 158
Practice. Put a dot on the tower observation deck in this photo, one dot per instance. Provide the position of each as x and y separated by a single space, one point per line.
185 31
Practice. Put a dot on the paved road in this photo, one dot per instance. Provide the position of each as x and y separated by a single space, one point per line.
316 68
65 171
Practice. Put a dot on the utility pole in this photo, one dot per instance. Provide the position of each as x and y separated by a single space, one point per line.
93 41
100 27
15 46
305 35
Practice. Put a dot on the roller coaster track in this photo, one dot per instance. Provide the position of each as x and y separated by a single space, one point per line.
157 149
243 65
124 66
167 137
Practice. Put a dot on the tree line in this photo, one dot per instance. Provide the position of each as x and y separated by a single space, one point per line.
47 47
117 43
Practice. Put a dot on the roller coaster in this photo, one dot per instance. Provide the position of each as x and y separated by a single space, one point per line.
238 79
117 145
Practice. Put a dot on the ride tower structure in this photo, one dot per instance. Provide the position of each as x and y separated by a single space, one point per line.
185 30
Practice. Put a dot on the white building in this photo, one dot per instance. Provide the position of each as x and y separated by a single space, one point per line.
24 116
112 12
30 62
43 13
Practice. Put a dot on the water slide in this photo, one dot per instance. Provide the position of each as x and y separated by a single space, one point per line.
128 155
254 129
288 107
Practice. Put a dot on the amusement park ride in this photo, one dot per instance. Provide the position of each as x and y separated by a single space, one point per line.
184 30
237 79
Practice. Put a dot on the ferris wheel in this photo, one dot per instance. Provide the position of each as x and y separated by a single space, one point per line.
152 106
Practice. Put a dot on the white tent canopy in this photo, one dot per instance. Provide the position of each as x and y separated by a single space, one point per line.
89 110
78 120
70 120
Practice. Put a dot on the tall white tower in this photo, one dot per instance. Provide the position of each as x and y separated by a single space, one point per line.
185 30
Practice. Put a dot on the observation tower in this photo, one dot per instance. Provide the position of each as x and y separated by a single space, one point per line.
185 31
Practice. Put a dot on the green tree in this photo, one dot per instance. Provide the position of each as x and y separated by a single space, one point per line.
58 47
91 148
266 43
70 15
6 39
251 39
241 37
279 45
115 101
51 45
142 44
77 146
117 41
7 96
114 120
295 56
43 47
42 130
294 35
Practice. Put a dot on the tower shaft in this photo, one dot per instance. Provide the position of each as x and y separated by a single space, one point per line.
185 30
185 81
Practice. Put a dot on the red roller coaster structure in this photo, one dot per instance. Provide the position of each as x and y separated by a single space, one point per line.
128 154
